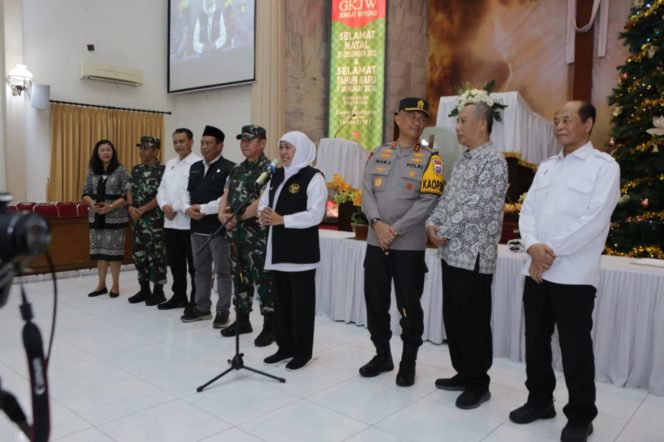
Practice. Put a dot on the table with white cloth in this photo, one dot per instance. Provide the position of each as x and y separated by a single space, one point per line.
347 158
522 130
628 331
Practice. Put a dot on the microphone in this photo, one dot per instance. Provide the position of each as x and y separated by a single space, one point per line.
269 170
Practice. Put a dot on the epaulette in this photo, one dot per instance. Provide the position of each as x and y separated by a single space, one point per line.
603 155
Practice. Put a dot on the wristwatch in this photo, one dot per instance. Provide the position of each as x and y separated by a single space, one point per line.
374 221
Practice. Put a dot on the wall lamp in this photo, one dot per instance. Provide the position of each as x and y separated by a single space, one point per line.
19 79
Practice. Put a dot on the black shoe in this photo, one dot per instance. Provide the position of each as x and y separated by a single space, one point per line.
243 328
529 413
406 375
141 295
470 399
196 315
576 432
157 296
450 384
278 357
297 362
138 297
98 292
377 365
221 320
113 294
174 302
266 336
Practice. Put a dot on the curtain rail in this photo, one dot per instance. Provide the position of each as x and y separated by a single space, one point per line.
99 106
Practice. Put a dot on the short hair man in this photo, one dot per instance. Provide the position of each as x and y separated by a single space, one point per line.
147 248
564 223
207 179
466 226
248 237
177 225
401 184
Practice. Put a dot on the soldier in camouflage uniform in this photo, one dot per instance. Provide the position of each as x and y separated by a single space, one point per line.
248 238
148 250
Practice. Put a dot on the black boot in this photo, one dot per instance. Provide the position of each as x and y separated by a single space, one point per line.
142 294
157 296
176 301
406 374
241 323
378 364
266 336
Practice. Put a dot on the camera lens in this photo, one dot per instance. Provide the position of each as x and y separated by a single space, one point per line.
22 234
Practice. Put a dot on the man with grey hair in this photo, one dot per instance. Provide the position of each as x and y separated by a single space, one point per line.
466 226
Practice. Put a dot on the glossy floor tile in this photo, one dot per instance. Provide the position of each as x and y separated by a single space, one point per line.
122 372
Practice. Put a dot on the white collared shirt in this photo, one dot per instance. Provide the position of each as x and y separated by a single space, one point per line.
313 216
568 208
173 183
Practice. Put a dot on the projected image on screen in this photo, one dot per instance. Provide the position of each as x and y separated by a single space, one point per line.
210 43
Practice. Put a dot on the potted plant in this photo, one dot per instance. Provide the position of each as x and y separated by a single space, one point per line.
349 203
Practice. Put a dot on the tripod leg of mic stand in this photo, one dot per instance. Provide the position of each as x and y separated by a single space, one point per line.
277 378
202 387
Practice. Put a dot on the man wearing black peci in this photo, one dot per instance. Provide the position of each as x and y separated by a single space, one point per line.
207 179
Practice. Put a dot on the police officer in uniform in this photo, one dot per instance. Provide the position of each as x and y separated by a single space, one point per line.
401 185
148 250
248 237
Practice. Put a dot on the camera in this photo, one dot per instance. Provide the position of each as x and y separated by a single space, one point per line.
22 235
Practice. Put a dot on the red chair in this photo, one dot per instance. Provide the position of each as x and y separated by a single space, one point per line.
11 209
47 210
67 208
25 206
82 210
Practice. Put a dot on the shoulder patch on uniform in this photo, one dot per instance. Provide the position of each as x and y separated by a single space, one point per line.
432 179
603 155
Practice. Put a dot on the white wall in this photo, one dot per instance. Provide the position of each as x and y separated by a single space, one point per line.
126 33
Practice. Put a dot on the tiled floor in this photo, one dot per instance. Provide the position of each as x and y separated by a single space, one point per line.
122 372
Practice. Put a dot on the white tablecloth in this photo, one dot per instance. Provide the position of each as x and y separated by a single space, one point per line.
521 130
628 330
336 155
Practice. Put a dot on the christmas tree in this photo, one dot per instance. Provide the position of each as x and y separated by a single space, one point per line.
637 227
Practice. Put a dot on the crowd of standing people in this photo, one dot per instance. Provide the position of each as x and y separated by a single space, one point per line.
209 216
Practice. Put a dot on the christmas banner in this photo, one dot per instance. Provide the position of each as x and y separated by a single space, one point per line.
357 71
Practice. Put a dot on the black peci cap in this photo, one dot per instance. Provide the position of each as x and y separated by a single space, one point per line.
212 131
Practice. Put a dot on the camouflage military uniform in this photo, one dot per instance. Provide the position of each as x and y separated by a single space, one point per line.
248 241
148 250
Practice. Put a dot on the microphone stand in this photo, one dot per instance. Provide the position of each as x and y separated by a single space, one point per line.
237 363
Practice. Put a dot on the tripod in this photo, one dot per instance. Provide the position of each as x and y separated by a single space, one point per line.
237 363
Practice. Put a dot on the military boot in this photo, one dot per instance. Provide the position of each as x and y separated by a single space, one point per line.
378 364
141 295
266 336
406 374
241 323
157 296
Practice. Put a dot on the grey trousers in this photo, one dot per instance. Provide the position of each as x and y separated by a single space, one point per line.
217 252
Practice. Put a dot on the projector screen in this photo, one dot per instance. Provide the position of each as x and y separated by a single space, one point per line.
210 43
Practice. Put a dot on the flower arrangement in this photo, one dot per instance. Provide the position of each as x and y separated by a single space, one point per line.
347 194
469 96
515 208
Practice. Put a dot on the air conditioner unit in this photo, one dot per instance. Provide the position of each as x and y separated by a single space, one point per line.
102 72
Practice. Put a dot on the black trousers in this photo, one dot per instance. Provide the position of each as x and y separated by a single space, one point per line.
467 319
178 255
406 269
294 311
570 309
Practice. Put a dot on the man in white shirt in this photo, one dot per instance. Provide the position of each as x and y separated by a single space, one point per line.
177 233
564 223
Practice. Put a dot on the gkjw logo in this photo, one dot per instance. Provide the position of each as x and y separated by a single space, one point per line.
356 5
